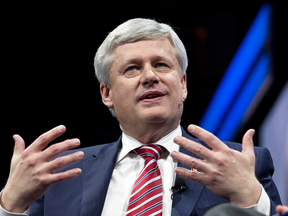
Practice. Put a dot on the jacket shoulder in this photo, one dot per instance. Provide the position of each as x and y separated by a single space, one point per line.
89 152
93 150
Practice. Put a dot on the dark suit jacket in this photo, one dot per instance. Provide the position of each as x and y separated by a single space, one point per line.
85 195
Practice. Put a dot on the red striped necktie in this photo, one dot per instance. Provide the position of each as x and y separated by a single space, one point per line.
147 193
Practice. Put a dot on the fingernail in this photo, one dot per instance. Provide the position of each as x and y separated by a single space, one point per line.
78 171
191 128
177 139
76 141
61 128
173 154
252 135
177 170
80 154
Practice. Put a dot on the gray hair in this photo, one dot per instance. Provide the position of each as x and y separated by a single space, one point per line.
131 31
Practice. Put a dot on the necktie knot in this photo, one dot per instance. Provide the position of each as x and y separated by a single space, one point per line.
150 150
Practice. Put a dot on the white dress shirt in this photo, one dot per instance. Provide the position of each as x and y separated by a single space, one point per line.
127 167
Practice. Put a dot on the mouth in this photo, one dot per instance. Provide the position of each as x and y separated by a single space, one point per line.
152 96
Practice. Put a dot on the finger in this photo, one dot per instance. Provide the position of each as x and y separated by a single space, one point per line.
63 176
58 148
191 175
247 142
19 146
281 209
42 141
209 138
64 161
194 147
190 162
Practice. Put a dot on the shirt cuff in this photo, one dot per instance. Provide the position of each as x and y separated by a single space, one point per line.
264 203
263 206
3 212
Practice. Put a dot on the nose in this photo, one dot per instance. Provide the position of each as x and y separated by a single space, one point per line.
148 77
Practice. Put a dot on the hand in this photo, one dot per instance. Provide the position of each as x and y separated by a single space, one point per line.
226 172
32 172
281 209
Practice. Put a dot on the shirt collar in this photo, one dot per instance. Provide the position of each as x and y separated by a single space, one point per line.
129 143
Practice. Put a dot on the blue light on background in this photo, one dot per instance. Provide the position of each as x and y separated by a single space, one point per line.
241 81
248 92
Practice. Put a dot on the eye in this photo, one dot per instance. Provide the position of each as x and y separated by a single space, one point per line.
131 68
160 65
132 71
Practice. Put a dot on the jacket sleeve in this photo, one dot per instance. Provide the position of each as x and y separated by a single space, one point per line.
37 208
264 170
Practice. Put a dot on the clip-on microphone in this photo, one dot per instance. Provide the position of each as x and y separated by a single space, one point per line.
179 187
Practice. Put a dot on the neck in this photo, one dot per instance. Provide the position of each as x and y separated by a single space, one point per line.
150 133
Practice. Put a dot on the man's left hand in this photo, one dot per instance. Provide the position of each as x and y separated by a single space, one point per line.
226 172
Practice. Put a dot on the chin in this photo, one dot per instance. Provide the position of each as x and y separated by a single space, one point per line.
156 116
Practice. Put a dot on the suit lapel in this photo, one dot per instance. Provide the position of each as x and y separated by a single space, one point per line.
97 171
184 203
96 175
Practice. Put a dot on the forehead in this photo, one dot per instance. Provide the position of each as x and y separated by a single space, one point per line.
144 49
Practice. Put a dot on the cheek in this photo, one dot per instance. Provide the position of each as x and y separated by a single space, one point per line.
175 86
123 93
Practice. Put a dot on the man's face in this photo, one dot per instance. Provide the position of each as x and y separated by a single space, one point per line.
146 84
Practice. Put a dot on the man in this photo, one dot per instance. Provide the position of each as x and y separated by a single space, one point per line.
141 67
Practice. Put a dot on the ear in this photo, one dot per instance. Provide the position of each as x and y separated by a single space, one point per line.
106 94
184 87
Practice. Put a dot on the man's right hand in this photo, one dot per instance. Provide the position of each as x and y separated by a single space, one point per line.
32 171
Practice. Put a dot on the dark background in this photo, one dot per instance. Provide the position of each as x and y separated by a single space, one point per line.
47 51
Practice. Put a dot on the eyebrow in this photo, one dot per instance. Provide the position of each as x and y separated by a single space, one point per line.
137 60
160 57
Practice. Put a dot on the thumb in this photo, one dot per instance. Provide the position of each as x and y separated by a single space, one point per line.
19 145
247 142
